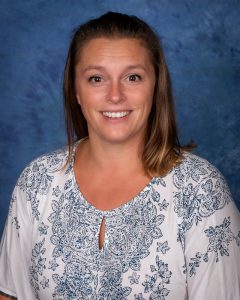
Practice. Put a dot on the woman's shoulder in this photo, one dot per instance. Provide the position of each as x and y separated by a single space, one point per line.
193 162
46 165
208 225
52 160
35 181
196 170
202 191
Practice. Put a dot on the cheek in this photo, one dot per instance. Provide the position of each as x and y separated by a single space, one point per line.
148 98
91 94
89 105
148 103
84 98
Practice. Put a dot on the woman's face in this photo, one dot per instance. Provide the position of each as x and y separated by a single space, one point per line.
114 85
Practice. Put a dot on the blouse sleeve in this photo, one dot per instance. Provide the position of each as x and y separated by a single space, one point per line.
211 229
15 246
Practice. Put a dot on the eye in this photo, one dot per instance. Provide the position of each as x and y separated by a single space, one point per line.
134 77
95 79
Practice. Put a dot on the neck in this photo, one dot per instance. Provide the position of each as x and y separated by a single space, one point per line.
104 157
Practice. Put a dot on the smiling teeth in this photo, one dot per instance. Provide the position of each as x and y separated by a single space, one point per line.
115 114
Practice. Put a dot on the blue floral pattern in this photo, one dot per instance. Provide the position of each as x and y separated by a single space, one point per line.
163 247
201 191
111 286
138 296
43 228
145 254
35 180
37 265
220 237
156 283
75 282
82 221
134 278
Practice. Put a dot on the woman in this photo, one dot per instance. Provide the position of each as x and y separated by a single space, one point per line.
125 212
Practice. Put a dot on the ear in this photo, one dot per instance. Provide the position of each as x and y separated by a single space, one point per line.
78 99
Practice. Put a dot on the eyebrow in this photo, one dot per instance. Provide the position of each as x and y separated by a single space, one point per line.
101 68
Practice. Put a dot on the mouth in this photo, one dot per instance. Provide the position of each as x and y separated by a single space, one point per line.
115 115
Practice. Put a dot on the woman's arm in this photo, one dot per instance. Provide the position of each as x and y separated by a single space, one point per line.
211 233
15 246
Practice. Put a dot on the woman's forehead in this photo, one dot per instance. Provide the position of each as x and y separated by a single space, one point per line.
104 49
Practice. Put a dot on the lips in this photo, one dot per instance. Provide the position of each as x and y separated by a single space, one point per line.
119 114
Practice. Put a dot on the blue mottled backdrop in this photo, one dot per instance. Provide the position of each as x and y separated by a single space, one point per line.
202 44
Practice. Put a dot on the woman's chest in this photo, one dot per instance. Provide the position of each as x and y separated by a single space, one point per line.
140 255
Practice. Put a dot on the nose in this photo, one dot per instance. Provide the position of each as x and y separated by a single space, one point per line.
115 94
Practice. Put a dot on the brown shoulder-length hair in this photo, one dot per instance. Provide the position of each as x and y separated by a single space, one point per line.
162 150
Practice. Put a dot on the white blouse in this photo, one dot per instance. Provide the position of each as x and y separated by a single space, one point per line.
178 239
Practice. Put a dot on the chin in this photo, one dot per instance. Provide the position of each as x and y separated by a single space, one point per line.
121 138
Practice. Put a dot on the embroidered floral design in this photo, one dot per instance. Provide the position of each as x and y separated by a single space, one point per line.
163 247
219 239
76 282
42 228
76 269
138 296
134 279
35 180
201 191
53 264
159 181
12 206
163 205
238 239
45 282
37 264
56 191
72 215
15 222
156 283
111 286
